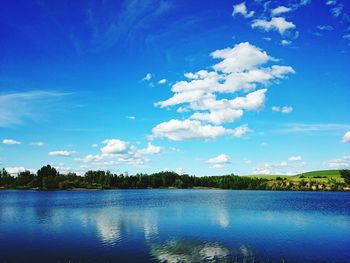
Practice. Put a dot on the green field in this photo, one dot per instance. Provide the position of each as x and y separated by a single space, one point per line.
335 174
314 180
327 173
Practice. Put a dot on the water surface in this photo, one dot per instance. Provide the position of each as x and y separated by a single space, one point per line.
174 226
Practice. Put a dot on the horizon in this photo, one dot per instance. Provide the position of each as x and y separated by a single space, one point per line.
146 86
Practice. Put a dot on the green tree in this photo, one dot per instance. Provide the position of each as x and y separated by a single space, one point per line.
47 172
24 178
346 175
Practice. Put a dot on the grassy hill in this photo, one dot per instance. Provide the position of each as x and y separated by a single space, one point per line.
313 174
326 173
314 180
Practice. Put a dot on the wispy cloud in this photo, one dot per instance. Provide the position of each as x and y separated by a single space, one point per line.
18 107
340 163
108 28
63 153
316 127
39 144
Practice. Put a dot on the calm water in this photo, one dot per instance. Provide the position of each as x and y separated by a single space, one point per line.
174 226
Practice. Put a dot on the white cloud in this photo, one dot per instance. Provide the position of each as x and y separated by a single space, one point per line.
178 130
261 170
131 117
325 27
63 153
162 81
242 9
284 109
336 11
347 36
218 116
305 2
295 158
243 56
10 142
331 2
240 70
315 127
346 137
340 163
219 161
280 10
151 149
148 77
118 152
15 170
114 146
94 145
276 23
285 42
294 165
39 144
269 168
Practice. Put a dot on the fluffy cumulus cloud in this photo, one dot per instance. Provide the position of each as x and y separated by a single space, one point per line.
114 146
178 130
242 10
219 161
340 163
285 42
63 153
10 142
162 81
284 109
151 149
280 10
116 152
276 23
240 78
346 137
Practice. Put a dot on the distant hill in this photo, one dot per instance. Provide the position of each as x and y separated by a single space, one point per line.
312 174
327 173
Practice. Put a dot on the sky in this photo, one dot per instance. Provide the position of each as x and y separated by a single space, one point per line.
209 88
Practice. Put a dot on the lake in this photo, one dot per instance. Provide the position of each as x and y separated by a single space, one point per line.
174 226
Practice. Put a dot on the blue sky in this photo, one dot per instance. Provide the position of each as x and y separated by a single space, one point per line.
142 86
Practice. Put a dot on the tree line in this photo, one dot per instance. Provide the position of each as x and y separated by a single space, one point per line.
48 178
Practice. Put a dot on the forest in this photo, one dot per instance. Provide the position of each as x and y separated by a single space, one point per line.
48 178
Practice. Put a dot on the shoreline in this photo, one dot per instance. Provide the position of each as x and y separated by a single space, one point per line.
169 188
